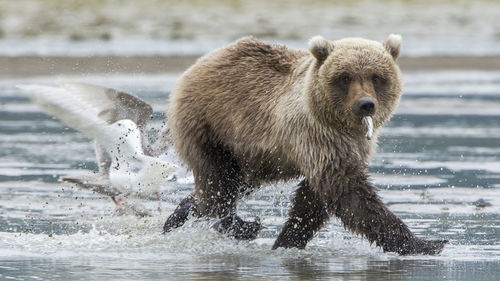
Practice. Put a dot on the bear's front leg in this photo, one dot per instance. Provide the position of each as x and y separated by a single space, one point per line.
361 211
307 215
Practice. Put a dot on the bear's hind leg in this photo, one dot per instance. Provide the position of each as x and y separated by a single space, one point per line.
219 183
234 226
181 214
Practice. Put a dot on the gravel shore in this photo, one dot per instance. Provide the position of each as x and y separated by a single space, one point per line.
58 65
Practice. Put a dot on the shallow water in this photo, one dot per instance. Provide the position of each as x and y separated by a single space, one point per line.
438 167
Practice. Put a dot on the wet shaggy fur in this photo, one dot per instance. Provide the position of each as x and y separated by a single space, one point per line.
253 113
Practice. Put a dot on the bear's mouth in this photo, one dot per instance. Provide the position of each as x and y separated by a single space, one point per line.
368 122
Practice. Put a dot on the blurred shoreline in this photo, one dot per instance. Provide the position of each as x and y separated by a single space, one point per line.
20 66
121 36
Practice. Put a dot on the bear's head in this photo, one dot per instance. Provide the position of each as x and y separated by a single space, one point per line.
352 78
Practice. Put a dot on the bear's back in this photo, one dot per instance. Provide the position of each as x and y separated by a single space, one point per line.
247 66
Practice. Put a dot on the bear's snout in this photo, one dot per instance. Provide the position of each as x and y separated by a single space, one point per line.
366 106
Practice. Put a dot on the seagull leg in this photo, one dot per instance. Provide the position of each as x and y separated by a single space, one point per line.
158 196
117 200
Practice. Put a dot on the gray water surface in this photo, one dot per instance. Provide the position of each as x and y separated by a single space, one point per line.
438 168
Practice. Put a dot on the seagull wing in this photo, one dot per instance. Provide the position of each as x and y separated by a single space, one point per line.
96 184
88 108
75 112
112 105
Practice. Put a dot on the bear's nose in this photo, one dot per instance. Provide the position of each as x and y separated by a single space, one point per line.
366 106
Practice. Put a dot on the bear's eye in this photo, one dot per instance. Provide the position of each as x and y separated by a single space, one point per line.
378 80
344 79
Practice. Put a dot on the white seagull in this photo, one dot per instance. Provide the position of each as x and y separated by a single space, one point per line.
114 119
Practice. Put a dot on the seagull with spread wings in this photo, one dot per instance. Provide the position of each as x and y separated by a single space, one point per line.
116 120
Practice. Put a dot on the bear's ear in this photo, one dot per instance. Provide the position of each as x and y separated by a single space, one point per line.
320 48
393 45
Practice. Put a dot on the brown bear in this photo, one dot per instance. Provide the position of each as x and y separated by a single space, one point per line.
253 113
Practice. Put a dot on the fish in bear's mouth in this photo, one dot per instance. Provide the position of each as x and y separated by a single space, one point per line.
368 122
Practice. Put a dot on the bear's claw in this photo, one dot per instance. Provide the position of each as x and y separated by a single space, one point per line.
234 226
431 247
421 247
186 208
